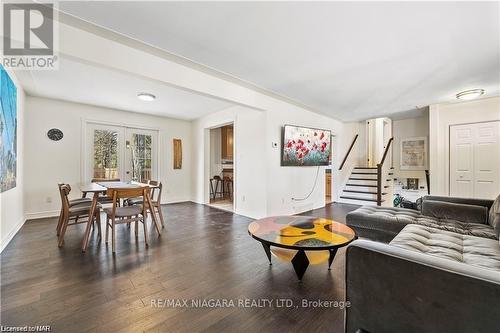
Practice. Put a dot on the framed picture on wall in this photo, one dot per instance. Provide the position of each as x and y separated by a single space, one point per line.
8 132
413 153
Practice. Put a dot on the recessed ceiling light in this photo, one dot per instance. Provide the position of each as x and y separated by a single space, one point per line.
470 94
146 97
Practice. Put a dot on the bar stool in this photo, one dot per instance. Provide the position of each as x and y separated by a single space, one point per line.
217 180
227 183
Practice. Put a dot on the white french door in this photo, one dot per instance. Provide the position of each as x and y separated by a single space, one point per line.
141 155
475 160
119 152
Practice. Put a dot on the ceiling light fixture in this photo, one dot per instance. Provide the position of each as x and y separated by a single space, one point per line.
467 95
147 97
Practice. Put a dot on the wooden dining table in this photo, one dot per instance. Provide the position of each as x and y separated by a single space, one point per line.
103 187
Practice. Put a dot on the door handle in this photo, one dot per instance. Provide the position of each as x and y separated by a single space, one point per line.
128 172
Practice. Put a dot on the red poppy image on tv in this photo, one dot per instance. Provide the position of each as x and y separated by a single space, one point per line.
303 146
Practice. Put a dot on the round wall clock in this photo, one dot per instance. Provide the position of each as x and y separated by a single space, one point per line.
55 134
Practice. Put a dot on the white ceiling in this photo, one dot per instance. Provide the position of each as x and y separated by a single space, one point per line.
85 83
349 60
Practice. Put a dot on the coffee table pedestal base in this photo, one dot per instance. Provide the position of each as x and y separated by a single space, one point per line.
300 261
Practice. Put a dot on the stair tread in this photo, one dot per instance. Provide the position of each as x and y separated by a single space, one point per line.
364 192
360 199
369 179
363 173
365 167
361 185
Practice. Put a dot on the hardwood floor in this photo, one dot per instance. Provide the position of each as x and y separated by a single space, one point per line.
203 253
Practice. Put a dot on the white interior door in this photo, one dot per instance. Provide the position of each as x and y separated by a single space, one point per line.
475 160
141 156
104 152
461 161
487 160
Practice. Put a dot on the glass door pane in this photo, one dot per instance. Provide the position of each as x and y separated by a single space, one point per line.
103 152
141 157
141 152
105 162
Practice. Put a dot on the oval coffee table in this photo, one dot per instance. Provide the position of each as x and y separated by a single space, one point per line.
305 239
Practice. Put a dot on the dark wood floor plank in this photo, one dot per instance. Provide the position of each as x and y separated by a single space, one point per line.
203 253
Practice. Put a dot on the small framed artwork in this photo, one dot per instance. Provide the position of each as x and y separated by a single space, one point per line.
177 154
413 153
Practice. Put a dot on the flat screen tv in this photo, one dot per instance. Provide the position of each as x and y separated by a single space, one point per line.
303 146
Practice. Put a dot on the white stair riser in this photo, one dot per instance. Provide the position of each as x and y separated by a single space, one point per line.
360 195
373 176
357 202
365 170
362 182
361 188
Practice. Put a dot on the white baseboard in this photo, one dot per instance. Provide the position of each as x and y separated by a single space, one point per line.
40 215
11 234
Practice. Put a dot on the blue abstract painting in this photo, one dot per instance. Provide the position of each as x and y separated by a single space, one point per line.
8 132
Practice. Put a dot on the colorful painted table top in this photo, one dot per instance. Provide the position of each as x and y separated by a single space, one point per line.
301 232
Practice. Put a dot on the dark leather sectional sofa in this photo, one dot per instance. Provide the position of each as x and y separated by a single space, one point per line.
437 270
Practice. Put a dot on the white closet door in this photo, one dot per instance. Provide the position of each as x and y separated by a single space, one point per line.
475 160
486 160
461 161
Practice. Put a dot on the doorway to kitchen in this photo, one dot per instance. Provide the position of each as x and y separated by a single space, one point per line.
221 181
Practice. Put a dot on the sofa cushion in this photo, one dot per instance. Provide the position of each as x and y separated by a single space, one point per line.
494 216
464 228
381 219
393 220
452 211
471 250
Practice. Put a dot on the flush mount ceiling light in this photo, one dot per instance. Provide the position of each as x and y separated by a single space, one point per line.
147 97
470 94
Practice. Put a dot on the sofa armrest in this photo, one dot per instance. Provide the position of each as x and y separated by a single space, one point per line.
465 201
391 289
455 211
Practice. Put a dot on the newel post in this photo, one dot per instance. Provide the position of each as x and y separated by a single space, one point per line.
379 184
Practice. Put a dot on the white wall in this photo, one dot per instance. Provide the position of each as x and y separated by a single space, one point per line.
263 187
249 160
441 116
49 162
408 128
11 201
297 182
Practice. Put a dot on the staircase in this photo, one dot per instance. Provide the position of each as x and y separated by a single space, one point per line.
369 185
361 187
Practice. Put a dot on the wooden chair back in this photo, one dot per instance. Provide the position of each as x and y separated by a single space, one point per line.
124 193
156 191
64 190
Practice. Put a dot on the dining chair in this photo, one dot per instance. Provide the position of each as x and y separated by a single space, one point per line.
72 202
155 199
73 212
126 214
